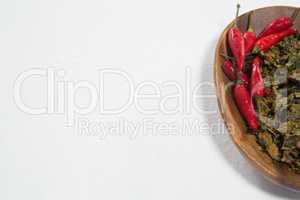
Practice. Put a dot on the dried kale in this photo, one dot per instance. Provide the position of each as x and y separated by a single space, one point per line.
279 113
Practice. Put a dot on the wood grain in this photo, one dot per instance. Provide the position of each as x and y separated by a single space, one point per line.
277 173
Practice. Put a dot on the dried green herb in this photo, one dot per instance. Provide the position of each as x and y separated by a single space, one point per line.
279 113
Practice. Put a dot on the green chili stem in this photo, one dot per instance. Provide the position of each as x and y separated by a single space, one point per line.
238 6
227 57
249 28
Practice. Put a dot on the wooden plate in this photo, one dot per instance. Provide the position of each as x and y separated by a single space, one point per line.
277 173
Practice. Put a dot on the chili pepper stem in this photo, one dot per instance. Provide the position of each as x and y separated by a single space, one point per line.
238 6
249 28
226 56
237 75
255 51
295 14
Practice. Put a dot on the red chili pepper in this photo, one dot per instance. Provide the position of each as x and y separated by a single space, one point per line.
237 44
245 105
276 26
249 37
231 74
265 43
229 70
257 82
280 24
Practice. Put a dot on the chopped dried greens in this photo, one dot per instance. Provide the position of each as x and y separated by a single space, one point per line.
279 113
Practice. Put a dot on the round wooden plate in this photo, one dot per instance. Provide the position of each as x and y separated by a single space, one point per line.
277 173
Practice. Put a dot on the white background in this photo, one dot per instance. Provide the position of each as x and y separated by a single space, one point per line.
43 158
